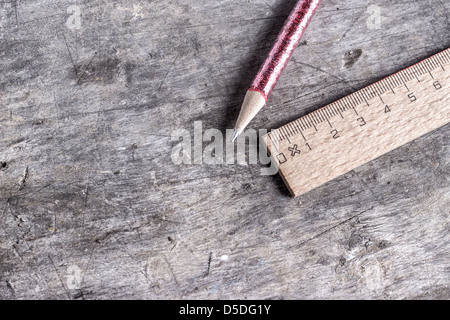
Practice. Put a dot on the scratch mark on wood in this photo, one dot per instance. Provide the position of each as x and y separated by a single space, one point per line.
23 180
334 226
208 265
84 70
167 73
59 277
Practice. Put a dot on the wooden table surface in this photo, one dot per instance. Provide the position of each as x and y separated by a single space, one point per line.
93 207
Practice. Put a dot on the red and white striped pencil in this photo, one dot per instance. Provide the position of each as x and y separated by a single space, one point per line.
271 70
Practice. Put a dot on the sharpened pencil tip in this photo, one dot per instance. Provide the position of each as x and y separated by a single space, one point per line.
236 133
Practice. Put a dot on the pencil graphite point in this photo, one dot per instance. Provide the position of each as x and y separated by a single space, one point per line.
236 133
253 102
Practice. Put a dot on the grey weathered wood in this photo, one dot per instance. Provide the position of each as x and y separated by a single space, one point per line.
92 206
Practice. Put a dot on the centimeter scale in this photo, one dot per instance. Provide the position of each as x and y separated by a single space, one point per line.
362 126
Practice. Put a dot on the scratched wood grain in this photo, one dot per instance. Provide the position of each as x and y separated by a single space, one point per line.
92 206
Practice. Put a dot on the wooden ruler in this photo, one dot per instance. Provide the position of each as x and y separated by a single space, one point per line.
346 134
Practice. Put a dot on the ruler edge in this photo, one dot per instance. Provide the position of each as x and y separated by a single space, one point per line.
265 138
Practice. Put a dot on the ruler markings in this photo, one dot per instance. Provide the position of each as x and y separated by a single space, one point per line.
299 123
281 132
318 114
311 120
428 65
316 117
412 118
331 112
352 99
303 122
423 69
328 112
338 106
299 126
288 132
378 89
314 125
440 60
397 78
436 62
308 121
366 98
304 138
277 136
404 80
291 130
384 89
324 115
443 62
360 100
274 144
296 127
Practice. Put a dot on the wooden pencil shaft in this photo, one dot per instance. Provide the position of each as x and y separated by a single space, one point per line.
253 102
271 69
284 46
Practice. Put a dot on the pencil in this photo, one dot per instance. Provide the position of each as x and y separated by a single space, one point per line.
271 69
